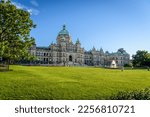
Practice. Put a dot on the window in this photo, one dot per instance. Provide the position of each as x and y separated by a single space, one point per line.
70 58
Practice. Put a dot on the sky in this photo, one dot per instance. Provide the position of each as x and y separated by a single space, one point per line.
107 24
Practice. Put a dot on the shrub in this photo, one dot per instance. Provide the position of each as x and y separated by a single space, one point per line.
128 65
132 95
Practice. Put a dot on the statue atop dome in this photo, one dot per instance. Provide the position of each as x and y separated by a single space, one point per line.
64 27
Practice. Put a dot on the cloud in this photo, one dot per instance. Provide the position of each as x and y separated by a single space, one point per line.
32 11
34 3
19 6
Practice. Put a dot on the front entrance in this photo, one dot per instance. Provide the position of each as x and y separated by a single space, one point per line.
70 58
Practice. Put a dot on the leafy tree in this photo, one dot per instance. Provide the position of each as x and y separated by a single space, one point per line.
15 27
141 58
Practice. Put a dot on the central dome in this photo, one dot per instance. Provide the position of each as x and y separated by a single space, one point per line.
63 31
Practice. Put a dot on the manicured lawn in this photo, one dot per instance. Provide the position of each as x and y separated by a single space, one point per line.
26 82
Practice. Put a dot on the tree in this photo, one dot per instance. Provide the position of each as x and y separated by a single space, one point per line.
141 58
15 27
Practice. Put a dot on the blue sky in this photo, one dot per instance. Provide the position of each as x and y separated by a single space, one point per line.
110 24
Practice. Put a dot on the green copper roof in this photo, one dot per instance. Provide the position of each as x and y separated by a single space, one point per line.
77 42
63 31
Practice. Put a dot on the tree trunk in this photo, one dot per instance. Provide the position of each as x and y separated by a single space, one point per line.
8 62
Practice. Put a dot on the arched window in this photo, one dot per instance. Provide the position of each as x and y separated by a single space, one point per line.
70 58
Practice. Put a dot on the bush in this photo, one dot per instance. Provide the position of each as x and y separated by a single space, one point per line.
4 67
133 95
128 65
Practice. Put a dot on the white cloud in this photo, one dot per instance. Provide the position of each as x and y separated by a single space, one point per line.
34 3
19 6
32 11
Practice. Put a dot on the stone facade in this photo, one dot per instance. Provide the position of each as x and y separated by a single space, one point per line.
65 53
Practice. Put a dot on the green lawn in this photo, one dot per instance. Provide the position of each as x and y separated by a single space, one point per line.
26 82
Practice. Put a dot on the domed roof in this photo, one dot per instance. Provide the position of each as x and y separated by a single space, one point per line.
63 31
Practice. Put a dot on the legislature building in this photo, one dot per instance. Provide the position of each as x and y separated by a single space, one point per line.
66 53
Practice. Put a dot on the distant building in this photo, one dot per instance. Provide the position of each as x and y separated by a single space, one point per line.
65 53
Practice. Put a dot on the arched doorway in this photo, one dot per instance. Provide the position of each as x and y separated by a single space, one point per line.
70 58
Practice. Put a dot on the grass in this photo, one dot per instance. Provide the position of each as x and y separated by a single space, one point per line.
34 82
